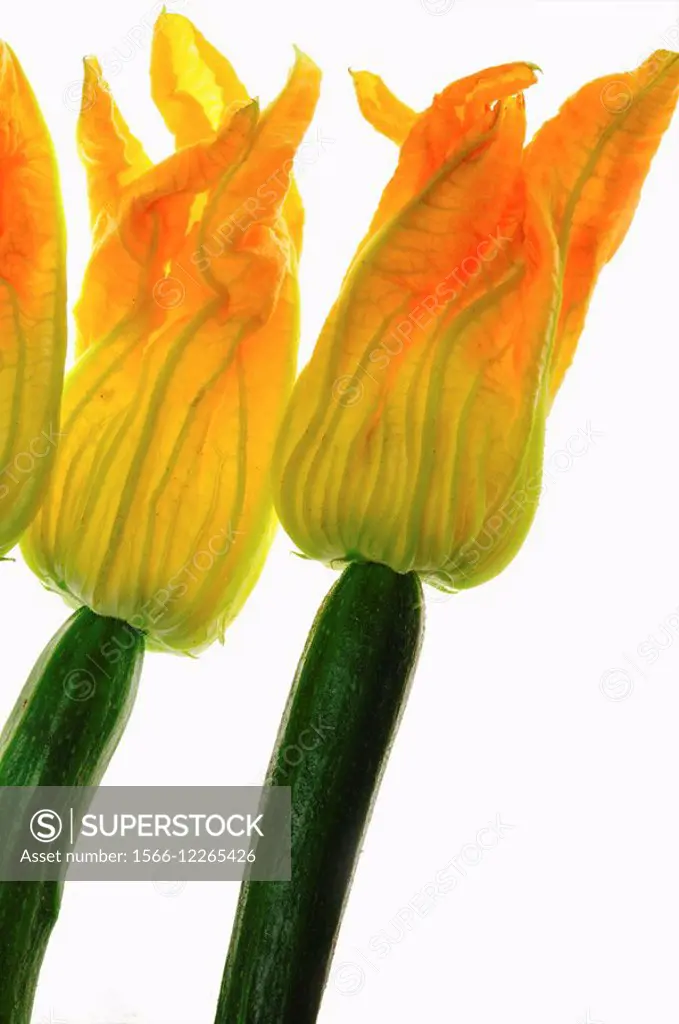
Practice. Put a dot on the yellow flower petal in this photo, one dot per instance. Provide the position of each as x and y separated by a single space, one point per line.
159 509
32 301
405 465
193 85
381 108
242 227
196 90
588 165
411 257
113 158
414 436
384 421
464 107
122 278
293 214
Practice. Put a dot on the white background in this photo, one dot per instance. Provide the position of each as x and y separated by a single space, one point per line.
571 917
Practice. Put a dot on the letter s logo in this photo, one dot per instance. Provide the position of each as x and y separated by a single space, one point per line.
46 826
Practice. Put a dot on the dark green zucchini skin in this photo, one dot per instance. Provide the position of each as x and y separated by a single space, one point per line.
342 714
62 732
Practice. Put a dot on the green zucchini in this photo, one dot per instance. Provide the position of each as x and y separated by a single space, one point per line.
342 714
62 732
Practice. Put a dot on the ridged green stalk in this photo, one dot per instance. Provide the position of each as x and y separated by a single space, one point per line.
62 731
342 714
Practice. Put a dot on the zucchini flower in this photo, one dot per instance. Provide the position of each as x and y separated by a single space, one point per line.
412 445
32 302
159 511
414 436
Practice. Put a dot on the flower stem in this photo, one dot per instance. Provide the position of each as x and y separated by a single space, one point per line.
342 715
62 731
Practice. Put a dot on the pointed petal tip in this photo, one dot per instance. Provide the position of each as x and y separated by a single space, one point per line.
249 113
91 67
168 22
6 50
93 85
166 17
8 60
250 110
302 57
